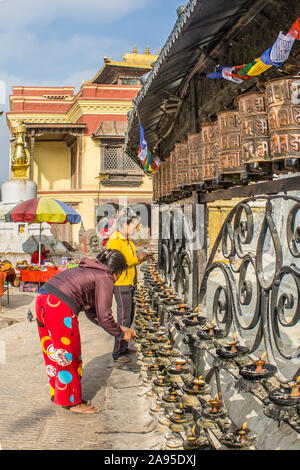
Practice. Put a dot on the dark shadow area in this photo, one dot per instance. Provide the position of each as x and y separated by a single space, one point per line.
95 375
16 301
97 372
31 419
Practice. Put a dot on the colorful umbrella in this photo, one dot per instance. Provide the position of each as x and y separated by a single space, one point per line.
41 210
44 209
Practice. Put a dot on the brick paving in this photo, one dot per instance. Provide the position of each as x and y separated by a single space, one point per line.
29 421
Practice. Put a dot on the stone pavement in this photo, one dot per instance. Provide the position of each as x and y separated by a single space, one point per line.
29 421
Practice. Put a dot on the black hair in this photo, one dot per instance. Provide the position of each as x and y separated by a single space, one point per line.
114 259
126 217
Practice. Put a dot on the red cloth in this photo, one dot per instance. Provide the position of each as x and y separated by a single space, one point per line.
60 340
295 29
10 275
2 282
37 276
35 257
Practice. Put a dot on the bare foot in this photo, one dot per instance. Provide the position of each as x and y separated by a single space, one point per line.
84 408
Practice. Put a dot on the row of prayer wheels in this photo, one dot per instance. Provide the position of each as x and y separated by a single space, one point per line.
263 130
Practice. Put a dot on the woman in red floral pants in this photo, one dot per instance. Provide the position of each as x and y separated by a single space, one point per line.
90 288
60 340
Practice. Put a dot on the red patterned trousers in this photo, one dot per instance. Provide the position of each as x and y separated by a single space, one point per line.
60 340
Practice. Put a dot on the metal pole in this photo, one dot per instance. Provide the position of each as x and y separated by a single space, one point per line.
40 247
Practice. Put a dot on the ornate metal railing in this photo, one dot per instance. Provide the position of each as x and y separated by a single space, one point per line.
244 294
251 282
175 253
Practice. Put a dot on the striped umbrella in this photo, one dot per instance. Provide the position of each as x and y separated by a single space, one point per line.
44 209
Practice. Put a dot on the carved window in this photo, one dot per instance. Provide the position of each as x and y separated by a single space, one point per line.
115 160
112 155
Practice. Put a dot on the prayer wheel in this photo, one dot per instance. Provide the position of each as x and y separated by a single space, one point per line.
194 158
181 153
158 184
210 164
173 170
154 186
283 105
168 175
230 161
163 178
255 138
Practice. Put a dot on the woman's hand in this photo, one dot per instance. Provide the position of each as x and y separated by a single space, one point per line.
129 334
144 256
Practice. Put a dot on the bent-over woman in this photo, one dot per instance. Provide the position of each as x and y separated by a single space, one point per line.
90 288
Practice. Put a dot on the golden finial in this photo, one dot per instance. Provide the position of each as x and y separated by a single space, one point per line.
20 128
134 50
106 60
20 157
147 52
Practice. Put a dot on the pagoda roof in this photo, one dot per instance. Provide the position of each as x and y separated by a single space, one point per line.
133 64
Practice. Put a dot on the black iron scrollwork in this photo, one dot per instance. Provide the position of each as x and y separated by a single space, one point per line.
175 255
260 303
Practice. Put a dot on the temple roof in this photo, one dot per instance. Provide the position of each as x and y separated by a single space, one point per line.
133 65
205 32
111 129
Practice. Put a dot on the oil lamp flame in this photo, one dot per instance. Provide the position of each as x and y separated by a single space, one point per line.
260 363
243 433
215 404
193 430
197 308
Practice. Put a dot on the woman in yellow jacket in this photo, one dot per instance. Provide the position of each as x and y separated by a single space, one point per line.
124 287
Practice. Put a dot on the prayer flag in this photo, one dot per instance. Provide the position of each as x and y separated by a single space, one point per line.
295 29
228 74
281 48
150 162
143 150
274 56
258 67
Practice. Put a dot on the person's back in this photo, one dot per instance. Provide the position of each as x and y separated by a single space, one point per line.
91 284
118 241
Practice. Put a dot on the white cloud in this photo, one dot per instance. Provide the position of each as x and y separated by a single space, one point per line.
33 54
20 13
56 60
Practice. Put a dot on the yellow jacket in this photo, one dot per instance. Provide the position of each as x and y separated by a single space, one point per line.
117 241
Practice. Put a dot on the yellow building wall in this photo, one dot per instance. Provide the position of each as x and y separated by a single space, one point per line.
52 172
217 213
90 163
91 167
52 166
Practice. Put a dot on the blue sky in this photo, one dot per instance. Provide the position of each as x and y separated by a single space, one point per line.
63 42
